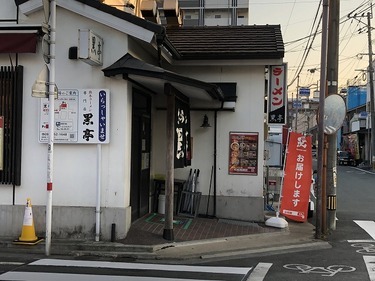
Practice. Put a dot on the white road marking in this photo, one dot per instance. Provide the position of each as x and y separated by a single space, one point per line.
11 263
370 265
259 272
45 276
368 226
364 171
362 241
123 265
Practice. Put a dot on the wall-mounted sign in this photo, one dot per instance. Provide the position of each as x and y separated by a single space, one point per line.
182 146
243 153
277 95
90 47
81 116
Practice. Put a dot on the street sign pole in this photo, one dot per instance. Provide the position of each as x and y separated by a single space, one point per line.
51 124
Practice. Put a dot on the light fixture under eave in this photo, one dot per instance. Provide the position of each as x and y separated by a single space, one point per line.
205 123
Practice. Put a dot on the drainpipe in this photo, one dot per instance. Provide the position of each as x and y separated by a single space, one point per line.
160 37
215 159
98 191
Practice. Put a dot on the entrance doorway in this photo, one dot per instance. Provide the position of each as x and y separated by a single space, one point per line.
140 154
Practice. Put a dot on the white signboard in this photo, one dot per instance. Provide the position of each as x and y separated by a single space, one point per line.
90 47
81 116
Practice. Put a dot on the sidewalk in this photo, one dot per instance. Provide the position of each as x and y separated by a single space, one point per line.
195 238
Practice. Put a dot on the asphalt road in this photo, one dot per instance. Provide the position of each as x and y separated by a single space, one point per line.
353 248
351 257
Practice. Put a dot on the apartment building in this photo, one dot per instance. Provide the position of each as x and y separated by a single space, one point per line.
189 12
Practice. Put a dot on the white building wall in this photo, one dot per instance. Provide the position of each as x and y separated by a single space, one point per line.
75 172
239 196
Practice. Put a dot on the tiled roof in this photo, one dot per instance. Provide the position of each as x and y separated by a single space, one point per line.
225 42
207 42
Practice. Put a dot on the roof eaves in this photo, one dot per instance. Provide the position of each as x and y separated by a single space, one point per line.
128 65
24 28
152 27
171 48
157 28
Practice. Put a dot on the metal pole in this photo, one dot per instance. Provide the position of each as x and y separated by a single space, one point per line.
371 82
332 77
169 177
51 123
297 105
98 190
320 211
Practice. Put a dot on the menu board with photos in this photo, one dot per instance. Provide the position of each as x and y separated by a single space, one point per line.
243 153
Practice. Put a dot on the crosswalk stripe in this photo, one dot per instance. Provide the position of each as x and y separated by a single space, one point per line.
370 261
361 241
46 276
141 266
259 272
368 226
61 270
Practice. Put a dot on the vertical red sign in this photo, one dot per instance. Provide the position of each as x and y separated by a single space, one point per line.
297 178
277 94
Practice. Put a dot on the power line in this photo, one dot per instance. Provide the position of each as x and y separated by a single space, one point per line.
361 9
308 48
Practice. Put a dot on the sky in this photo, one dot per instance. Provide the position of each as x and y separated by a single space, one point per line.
298 20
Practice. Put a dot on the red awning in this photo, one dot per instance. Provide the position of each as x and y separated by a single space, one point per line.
18 42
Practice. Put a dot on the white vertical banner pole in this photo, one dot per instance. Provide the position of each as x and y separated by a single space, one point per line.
51 123
282 179
98 190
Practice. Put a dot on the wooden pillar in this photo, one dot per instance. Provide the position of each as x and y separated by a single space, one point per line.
169 177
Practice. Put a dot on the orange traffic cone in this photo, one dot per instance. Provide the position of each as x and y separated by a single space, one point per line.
28 236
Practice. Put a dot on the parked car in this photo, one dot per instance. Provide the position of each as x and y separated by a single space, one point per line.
345 158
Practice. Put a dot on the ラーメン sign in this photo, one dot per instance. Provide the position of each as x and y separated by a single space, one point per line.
277 100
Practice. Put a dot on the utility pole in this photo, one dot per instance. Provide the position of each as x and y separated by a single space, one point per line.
320 228
371 82
332 77
297 105
370 69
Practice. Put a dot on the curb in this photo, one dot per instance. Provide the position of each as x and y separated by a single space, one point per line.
230 254
297 239
271 250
